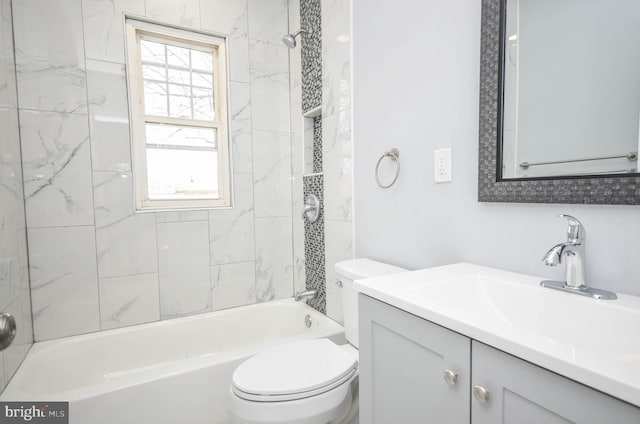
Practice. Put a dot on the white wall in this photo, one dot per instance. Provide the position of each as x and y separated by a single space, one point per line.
415 75
95 264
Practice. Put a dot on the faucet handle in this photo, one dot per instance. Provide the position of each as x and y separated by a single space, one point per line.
576 232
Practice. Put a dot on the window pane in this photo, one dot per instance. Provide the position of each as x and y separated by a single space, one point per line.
180 107
178 56
203 104
182 162
152 52
155 99
174 136
179 77
202 61
153 72
204 80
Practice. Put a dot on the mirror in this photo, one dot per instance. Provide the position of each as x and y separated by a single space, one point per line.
571 87
560 101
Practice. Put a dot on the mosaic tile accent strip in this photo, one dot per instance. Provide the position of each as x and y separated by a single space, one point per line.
317 144
314 245
311 55
617 190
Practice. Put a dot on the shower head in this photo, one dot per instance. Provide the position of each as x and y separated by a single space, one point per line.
290 39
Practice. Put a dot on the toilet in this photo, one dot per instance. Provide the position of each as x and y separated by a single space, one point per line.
309 381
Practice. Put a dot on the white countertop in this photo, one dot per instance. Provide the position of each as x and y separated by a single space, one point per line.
594 342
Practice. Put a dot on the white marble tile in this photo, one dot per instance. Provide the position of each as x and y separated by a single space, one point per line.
127 246
268 20
227 17
336 60
50 55
297 153
185 13
129 300
294 14
113 197
299 275
231 236
126 242
239 61
182 216
185 282
296 214
272 173
64 281
10 257
8 95
104 27
57 169
295 89
338 247
108 116
307 148
338 166
233 285
274 259
269 86
16 352
295 71
241 138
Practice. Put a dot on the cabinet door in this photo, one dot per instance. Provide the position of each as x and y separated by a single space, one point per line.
523 393
403 359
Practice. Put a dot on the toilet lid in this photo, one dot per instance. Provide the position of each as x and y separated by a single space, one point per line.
294 370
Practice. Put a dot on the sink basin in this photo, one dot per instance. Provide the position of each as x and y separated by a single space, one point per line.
592 341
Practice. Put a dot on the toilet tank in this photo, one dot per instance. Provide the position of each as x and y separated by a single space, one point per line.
347 272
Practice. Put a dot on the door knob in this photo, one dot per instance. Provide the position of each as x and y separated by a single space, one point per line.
7 330
481 394
450 377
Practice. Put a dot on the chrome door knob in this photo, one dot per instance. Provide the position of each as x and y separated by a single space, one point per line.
450 377
7 330
481 394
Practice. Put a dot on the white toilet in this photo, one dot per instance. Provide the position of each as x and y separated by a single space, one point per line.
309 381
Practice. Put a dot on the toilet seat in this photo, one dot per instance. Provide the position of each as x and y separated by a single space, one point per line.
294 371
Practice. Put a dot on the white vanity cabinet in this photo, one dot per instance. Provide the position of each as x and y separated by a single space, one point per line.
403 360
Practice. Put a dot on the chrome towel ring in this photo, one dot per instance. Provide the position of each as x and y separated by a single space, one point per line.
395 155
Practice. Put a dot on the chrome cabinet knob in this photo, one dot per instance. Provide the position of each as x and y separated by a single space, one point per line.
7 330
450 377
481 394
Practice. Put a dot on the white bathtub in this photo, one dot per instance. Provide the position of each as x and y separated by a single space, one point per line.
175 371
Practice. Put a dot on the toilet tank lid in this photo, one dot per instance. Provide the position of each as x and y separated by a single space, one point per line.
355 269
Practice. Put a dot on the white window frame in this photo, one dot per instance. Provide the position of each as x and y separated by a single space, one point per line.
135 30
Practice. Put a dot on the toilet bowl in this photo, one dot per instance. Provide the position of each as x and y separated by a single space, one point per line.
308 381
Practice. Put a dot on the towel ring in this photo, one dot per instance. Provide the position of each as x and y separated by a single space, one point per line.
395 155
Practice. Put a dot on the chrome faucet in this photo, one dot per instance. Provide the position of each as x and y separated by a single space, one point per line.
572 252
305 295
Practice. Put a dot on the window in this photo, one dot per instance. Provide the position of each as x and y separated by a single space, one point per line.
178 100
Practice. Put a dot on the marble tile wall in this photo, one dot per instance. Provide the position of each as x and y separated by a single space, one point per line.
15 297
311 51
337 159
97 265
314 246
324 61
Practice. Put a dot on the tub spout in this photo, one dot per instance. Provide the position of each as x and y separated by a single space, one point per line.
305 295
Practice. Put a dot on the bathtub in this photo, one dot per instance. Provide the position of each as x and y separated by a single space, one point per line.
168 372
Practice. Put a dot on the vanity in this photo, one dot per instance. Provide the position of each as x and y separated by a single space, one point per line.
465 343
